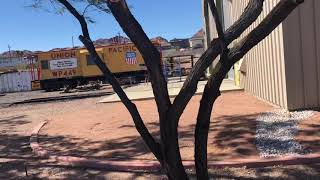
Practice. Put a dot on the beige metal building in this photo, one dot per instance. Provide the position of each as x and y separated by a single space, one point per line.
284 69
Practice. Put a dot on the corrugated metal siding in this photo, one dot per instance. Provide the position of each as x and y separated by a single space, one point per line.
210 27
317 34
265 75
302 56
17 81
283 69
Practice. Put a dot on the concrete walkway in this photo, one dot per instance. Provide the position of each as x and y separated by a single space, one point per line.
144 91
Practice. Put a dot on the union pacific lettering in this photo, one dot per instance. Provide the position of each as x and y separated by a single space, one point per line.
63 55
121 49
64 73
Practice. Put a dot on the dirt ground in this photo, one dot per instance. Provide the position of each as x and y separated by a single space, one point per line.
107 130
85 128
309 133
16 125
10 98
50 170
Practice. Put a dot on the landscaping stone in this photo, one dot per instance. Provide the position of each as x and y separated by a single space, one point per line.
276 131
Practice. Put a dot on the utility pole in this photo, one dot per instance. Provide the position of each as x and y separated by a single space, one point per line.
72 42
9 47
119 41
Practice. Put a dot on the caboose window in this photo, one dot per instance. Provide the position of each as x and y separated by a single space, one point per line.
90 60
44 64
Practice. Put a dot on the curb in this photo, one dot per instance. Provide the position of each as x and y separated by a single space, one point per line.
62 98
170 96
154 166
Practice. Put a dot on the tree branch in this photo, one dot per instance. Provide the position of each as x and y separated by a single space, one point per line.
168 130
77 15
211 91
210 94
218 23
250 14
86 8
140 126
149 52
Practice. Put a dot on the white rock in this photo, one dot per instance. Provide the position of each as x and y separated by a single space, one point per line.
276 131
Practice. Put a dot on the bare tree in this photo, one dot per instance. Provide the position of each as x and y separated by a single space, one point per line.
166 149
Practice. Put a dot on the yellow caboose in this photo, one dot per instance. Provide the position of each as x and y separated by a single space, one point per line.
122 60
59 68
74 67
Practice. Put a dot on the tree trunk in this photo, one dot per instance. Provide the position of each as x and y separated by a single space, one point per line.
171 151
131 107
210 94
168 152
172 162
201 136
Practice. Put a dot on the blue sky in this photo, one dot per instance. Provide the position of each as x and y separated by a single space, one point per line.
25 28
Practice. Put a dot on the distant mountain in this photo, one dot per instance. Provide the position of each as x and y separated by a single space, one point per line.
199 34
15 53
160 39
99 42
113 40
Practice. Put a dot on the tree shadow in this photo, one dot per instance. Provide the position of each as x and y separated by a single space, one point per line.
12 144
225 132
289 172
309 133
12 121
15 152
230 138
125 148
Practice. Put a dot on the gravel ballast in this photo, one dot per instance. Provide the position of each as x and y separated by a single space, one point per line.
276 130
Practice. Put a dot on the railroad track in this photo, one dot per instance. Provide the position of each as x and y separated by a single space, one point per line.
60 98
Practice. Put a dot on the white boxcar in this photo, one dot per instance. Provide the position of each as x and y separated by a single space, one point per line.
17 81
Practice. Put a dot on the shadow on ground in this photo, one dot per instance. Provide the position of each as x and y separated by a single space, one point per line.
230 137
309 133
233 134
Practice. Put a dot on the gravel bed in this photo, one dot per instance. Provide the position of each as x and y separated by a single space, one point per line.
276 130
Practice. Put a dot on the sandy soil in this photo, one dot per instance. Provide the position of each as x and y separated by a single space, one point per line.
16 125
110 126
107 130
309 133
